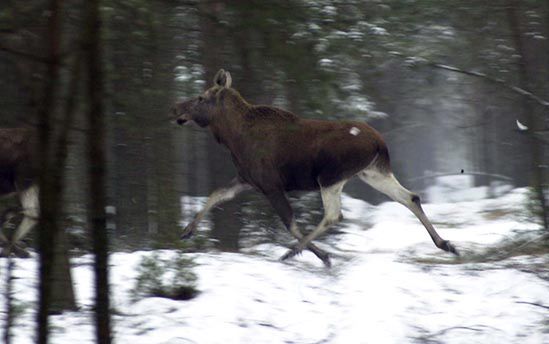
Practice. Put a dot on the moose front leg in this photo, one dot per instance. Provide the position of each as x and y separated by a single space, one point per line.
218 196
280 203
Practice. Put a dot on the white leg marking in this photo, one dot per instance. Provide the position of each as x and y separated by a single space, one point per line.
386 183
389 185
224 194
331 200
218 196
31 211
295 231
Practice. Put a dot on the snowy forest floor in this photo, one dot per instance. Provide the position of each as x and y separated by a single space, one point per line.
388 284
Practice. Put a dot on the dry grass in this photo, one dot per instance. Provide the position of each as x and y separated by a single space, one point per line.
534 243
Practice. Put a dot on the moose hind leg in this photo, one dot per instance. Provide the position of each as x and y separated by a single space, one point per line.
385 182
218 196
331 200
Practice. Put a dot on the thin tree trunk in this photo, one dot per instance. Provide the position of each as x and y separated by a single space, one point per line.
167 204
96 171
226 225
536 149
47 221
8 295
62 286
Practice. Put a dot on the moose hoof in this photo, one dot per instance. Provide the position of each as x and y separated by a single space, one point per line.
292 252
187 232
448 247
16 250
21 252
298 249
321 254
326 260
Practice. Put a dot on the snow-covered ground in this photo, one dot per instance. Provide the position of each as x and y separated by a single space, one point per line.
388 284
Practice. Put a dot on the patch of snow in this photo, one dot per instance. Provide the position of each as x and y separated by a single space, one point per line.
326 62
329 11
360 105
376 292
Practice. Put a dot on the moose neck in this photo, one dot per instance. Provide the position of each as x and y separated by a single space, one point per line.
227 125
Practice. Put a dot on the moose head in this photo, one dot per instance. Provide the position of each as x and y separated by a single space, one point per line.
202 109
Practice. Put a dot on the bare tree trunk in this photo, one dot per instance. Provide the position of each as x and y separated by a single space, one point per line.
9 300
96 171
8 295
167 209
536 148
47 221
62 286
226 224
56 292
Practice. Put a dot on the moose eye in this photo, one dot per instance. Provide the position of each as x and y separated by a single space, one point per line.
200 99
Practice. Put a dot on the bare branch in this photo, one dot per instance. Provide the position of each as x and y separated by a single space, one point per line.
435 175
32 57
533 304
502 82
421 61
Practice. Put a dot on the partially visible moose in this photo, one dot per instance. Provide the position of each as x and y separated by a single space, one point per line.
275 151
17 177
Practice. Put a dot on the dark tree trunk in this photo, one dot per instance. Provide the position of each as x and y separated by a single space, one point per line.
62 286
96 171
129 171
533 121
226 223
47 222
8 294
163 198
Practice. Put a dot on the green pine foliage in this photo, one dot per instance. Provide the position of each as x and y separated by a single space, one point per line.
171 277
534 208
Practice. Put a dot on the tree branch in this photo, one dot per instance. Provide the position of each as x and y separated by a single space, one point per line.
36 58
421 61
533 304
32 57
435 175
515 89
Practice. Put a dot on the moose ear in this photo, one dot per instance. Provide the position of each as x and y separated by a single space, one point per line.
228 80
219 78
223 78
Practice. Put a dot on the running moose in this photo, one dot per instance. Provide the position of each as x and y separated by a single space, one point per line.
275 151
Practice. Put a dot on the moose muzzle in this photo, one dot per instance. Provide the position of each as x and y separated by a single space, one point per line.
183 120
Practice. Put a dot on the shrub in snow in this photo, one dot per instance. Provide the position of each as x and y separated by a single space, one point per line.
171 277
534 208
